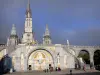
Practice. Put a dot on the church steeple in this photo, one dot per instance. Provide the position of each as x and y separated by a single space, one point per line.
28 32
28 10
46 36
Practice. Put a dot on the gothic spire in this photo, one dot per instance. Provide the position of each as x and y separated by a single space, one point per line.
13 31
28 10
47 33
47 37
28 6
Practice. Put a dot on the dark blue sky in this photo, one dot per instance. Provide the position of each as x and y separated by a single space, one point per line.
75 20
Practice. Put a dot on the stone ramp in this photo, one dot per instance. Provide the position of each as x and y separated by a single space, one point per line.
64 72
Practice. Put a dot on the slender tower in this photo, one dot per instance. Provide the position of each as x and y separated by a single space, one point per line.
28 33
46 37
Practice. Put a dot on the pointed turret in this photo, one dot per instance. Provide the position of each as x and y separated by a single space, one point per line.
46 37
13 39
28 10
13 31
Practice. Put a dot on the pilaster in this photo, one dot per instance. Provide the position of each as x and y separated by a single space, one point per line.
91 59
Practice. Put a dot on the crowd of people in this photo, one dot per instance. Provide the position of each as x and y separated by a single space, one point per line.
50 69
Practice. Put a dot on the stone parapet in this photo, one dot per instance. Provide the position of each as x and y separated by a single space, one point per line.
2 47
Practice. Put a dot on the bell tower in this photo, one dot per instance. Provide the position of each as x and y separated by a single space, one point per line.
28 33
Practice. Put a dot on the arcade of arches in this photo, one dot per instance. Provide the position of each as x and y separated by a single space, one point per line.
87 57
39 60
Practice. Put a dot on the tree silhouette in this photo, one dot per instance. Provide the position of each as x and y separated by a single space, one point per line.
85 56
5 64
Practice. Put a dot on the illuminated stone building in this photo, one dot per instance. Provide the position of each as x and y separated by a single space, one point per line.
29 53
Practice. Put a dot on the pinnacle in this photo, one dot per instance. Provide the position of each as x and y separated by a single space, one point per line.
13 31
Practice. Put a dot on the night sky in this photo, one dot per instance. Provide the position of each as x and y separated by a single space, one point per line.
75 20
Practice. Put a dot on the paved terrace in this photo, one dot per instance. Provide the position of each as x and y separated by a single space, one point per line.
64 72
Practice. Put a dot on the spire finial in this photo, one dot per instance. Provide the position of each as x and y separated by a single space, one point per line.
46 26
28 7
28 10
47 30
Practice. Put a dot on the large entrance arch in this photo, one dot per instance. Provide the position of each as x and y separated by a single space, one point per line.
40 60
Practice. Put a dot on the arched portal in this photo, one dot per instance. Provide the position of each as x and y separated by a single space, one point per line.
40 60
84 54
97 57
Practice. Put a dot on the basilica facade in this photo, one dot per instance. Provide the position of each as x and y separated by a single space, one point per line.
29 54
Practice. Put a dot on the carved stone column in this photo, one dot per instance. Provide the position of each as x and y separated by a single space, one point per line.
91 60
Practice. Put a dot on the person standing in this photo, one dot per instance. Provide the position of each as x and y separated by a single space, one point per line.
84 67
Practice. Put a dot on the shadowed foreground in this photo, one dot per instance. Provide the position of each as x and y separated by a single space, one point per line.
90 73
65 72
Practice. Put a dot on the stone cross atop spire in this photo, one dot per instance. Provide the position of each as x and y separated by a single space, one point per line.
13 31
